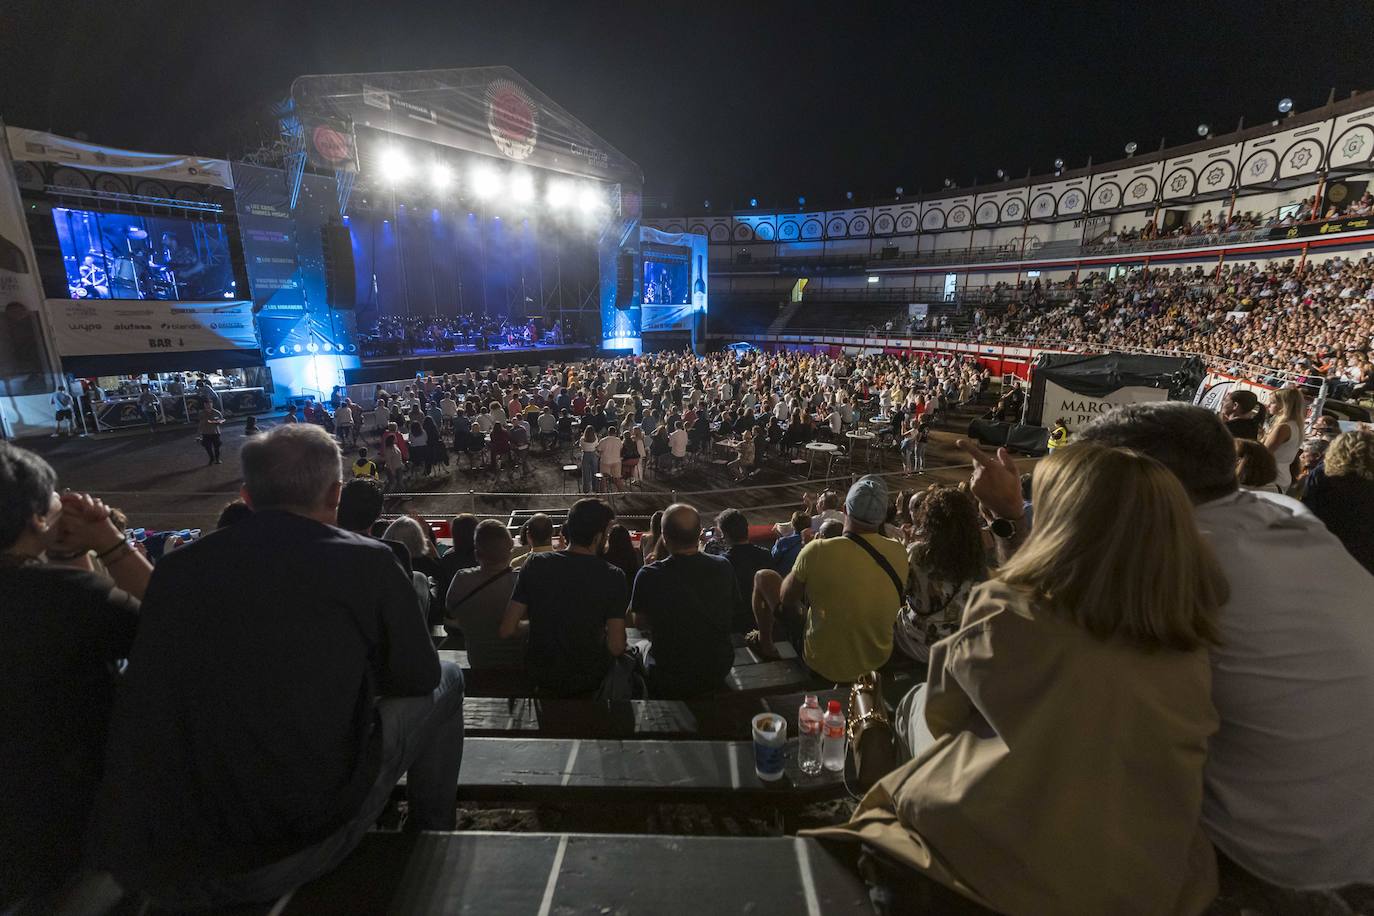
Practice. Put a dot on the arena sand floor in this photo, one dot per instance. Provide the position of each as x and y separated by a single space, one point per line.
161 479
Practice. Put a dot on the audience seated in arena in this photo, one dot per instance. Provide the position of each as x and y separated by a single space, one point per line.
685 601
63 632
575 603
785 549
852 586
536 536
477 601
1290 793
1343 495
1058 744
247 753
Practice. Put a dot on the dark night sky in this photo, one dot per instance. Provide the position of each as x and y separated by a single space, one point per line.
715 99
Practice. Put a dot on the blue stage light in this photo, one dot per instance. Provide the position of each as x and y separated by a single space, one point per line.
297 348
801 201
753 201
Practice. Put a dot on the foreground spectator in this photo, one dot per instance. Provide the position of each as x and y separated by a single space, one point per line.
1059 742
947 559
536 536
686 600
853 585
477 600
62 632
1290 789
575 603
1343 495
248 754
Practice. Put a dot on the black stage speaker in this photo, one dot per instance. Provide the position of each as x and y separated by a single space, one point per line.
626 280
341 287
1033 440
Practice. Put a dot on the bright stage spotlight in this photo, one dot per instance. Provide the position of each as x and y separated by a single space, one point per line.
560 193
395 165
522 187
589 200
440 176
486 181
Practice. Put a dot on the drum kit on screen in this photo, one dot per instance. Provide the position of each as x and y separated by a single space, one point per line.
133 274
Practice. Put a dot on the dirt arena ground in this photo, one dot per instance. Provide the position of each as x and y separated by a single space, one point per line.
162 481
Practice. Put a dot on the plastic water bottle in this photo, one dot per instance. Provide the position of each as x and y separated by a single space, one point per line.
809 724
832 738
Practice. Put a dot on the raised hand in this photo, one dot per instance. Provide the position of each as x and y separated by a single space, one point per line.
995 481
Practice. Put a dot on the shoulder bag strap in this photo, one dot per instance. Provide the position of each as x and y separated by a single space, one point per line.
882 562
484 584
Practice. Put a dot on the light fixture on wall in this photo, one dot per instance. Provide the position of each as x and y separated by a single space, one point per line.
1001 175
1131 148
1285 105
1204 131
900 190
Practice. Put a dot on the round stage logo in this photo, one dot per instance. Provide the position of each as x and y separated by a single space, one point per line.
512 119
331 145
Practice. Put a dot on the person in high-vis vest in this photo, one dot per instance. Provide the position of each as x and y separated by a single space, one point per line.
1059 436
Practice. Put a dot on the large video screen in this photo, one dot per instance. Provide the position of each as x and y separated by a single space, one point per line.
123 256
667 278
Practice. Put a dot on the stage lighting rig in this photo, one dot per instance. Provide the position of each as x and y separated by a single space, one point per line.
560 193
521 187
486 182
440 176
589 200
395 165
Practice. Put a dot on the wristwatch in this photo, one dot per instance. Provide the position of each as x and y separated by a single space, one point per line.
1002 528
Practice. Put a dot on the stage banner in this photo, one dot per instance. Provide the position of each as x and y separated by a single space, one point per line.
24 365
268 229
1080 409
37 146
104 327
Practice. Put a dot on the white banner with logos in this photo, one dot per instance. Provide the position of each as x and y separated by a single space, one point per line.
1080 409
104 327
38 146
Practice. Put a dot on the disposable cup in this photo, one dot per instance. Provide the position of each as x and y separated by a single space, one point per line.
770 741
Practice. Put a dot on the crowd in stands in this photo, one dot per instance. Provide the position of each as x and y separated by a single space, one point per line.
1140 667
1313 320
1210 223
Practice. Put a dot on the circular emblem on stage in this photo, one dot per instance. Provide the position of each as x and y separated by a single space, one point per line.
331 145
512 119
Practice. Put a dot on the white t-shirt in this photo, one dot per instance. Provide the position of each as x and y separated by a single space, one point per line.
608 450
677 443
1290 774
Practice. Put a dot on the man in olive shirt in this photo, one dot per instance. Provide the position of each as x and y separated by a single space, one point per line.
854 585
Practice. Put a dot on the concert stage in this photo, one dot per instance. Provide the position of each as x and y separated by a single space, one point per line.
397 367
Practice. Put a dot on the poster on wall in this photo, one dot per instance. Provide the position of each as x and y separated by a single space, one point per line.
104 328
673 292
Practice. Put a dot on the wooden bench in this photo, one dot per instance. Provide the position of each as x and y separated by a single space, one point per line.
712 718
560 769
530 874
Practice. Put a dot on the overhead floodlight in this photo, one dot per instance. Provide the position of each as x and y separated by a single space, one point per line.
1203 130
900 190
1058 164
1131 148
522 187
753 201
560 193
801 201
706 204
1001 175
395 165
440 176
949 182
848 195
589 200
486 181
1285 105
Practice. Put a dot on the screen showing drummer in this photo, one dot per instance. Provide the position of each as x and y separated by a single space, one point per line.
125 256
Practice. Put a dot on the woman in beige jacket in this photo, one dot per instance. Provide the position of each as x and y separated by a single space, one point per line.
1068 717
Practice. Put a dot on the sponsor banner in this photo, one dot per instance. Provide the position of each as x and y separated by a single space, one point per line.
1080 409
1324 227
1216 386
37 146
96 327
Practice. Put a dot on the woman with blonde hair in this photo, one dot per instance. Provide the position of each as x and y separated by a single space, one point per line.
1342 494
1284 436
1059 741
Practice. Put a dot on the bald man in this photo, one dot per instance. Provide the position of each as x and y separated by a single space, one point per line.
686 600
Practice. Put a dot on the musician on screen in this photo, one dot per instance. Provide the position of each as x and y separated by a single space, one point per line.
94 282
